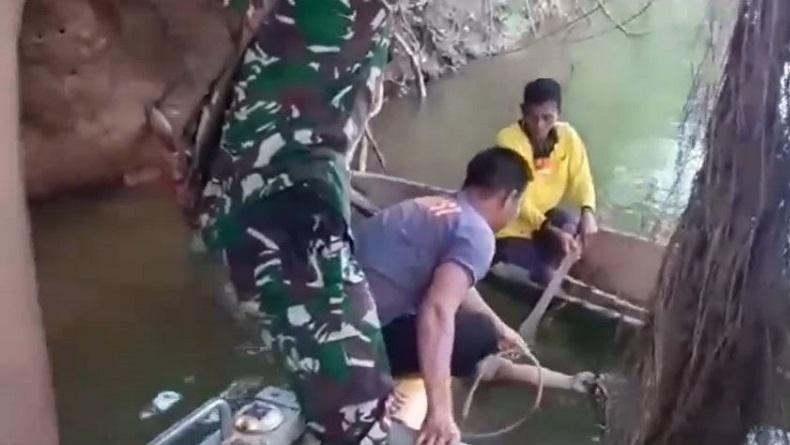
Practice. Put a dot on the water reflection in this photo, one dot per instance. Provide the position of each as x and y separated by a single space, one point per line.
769 436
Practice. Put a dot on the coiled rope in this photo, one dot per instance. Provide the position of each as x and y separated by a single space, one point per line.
481 374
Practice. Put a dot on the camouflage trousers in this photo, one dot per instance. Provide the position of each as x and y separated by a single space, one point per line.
295 258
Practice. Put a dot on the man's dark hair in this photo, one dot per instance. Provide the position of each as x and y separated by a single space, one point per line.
496 169
540 91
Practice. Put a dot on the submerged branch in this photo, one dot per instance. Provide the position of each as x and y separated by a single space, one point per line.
621 25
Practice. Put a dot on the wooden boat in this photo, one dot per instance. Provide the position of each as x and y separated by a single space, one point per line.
616 278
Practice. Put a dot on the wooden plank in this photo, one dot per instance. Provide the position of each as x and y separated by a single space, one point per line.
577 292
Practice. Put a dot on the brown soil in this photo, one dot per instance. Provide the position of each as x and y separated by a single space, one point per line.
88 70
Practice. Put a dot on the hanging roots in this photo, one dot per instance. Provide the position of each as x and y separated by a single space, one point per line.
709 354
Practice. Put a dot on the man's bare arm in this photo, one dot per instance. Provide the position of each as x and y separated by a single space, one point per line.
27 413
474 303
435 336
509 338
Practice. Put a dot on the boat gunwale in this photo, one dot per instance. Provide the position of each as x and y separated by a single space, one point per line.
574 290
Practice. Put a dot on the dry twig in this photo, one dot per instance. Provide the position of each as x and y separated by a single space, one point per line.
630 19
566 26
621 25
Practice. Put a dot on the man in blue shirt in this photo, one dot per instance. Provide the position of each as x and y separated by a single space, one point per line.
422 258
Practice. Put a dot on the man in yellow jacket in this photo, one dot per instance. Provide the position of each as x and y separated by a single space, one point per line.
542 234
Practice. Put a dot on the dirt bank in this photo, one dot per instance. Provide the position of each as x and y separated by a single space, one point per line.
89 67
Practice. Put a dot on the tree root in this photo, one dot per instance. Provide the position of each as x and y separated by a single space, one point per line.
363 154
416 65
531 18
376 148
367 140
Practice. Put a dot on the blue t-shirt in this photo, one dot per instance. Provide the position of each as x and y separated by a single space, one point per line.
400 247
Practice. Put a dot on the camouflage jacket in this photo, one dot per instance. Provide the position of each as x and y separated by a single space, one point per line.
301 97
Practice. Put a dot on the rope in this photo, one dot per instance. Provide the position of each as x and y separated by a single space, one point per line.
525 352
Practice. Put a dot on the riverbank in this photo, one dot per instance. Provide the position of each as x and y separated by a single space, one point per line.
89 69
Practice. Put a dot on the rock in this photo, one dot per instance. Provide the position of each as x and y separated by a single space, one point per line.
160 404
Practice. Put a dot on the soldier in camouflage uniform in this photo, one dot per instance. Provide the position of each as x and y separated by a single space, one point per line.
277 205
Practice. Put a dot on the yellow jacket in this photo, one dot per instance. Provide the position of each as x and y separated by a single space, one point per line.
565 175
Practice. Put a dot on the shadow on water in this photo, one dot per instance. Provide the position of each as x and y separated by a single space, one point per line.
129 312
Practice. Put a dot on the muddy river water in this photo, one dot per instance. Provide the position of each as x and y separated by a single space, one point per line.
130 312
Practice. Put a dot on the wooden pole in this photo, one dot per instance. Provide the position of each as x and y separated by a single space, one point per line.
529 328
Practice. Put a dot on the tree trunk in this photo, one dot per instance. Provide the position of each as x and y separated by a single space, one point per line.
707 357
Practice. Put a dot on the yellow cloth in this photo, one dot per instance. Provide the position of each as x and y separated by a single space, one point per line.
413 402
564 175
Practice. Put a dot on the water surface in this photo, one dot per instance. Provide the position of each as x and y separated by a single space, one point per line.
129 312
624 96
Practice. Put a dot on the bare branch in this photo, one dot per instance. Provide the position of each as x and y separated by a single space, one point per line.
376 148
